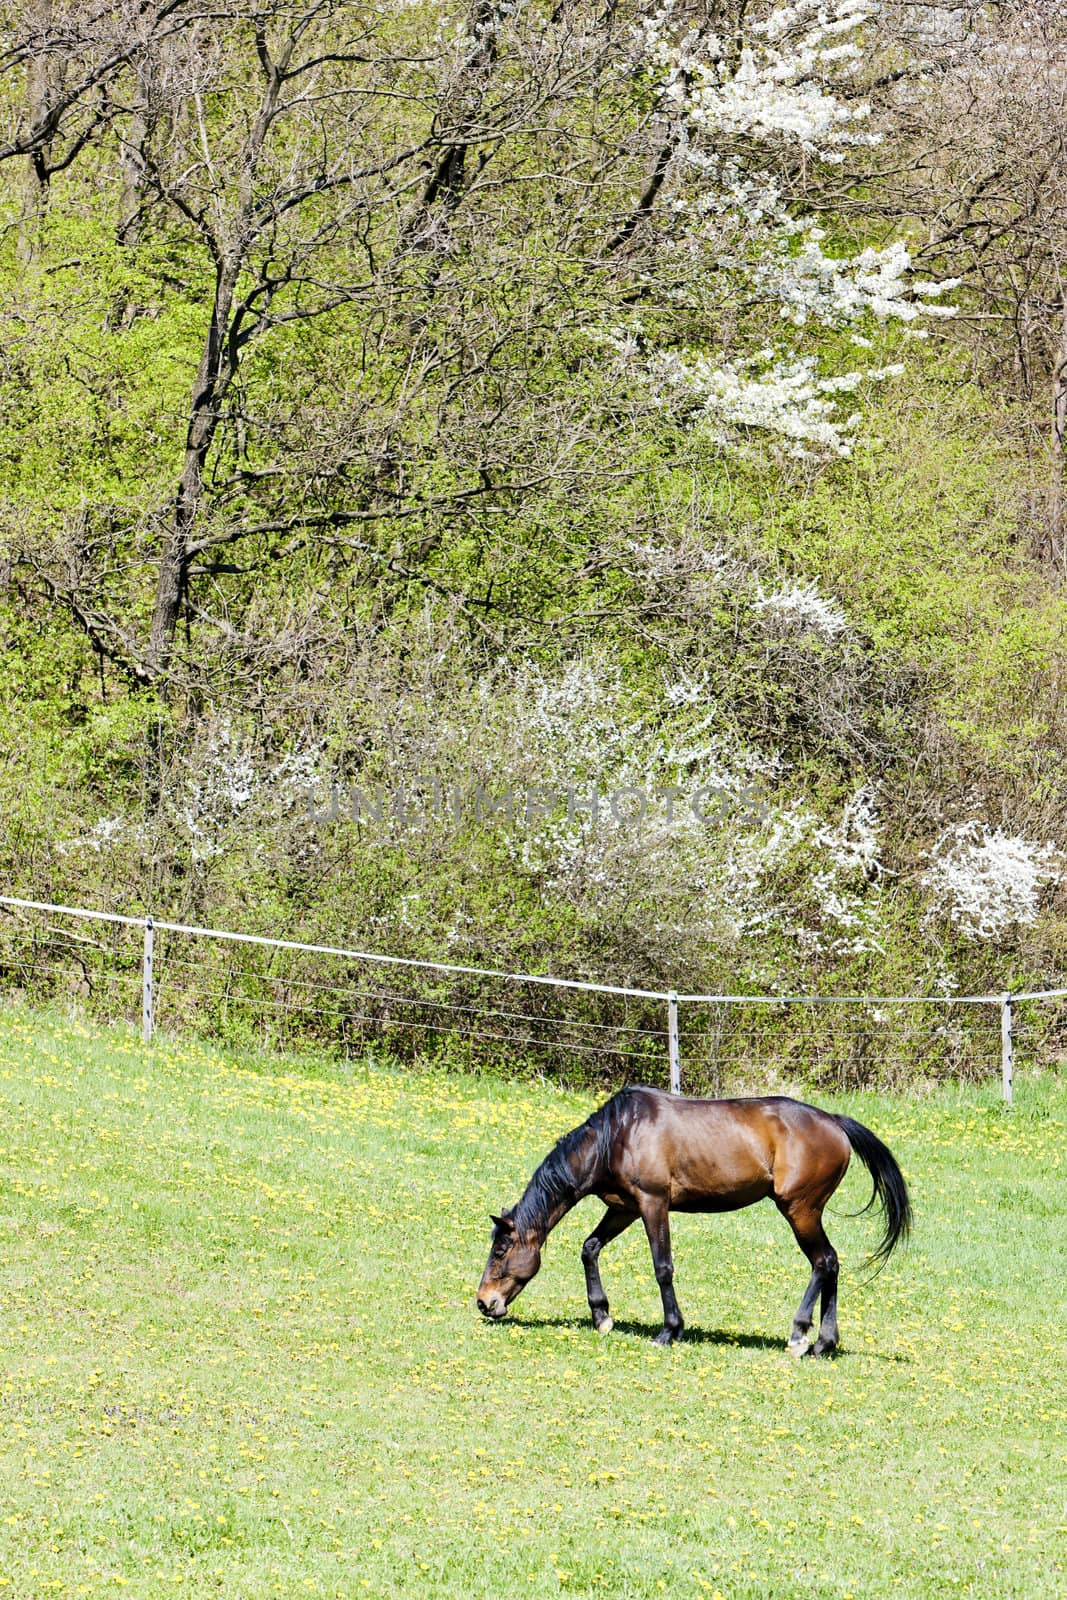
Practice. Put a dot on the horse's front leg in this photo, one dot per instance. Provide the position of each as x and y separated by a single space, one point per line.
655 1214
611 1224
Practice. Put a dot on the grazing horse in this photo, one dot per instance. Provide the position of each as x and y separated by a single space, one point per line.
645 1153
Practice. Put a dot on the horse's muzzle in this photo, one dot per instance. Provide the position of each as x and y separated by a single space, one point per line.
494 1311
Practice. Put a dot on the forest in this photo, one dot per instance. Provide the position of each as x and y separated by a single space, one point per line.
554 484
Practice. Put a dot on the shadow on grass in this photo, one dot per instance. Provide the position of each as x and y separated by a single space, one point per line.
648 1330
698 1335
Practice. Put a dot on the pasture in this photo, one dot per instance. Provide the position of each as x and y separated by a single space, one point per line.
241 1357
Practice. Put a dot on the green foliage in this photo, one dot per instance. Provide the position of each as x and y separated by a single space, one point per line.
99 351
923 535
438 465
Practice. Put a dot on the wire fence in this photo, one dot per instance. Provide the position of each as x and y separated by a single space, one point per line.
253 989
887 1044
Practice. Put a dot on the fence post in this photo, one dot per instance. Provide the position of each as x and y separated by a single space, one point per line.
672 1043
146 981
1007 1062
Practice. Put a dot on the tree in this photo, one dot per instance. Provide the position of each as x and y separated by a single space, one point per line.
976 103
60 60
535 238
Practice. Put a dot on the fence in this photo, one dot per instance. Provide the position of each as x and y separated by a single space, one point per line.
287 989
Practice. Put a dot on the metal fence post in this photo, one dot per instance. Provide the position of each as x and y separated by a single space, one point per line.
672 1043
1007 1061
146 981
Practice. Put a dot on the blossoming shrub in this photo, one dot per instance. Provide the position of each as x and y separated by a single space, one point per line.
988 882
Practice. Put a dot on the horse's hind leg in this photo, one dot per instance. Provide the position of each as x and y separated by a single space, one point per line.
798 1337
611 1224
807 1227
826 1343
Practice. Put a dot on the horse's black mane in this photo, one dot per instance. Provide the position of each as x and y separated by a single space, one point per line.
574 1165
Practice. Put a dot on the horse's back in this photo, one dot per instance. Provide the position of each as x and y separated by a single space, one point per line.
721 1154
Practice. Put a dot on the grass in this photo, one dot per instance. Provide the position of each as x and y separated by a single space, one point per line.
240 1355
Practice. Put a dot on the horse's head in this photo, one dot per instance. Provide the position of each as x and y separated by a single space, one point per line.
514 1258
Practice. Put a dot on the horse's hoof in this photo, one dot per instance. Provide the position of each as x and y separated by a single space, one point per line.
798 1348
605 1325
819 1348
665 1337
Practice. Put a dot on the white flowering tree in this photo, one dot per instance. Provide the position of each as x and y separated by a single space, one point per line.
665 808
745 114
988 882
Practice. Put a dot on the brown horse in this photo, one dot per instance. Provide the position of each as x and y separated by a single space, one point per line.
646 1153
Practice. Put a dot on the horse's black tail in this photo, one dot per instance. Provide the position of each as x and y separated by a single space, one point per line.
889 1186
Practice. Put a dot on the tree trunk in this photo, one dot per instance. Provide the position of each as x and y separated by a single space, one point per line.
218 368
1056 542
458 119
131 212
39 85
213 379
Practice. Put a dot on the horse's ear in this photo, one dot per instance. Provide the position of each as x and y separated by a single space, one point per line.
501 1222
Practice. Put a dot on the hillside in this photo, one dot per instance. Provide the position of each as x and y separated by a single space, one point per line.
573 497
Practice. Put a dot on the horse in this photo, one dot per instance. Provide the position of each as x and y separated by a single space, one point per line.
645 1153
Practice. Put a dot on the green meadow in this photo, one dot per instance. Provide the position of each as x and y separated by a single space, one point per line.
241 1355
